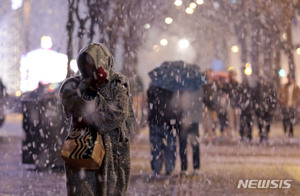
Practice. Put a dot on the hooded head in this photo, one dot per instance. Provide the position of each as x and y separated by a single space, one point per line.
92 57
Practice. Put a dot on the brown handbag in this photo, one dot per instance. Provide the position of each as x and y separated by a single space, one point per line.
83 148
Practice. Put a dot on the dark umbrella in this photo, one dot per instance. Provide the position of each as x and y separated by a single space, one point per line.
177 75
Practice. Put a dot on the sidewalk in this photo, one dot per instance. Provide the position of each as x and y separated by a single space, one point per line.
223 163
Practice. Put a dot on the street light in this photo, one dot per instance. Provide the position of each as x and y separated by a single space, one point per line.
282 73
178 3
189 10
298 51
193 5
168 20
163 42
235 49
147 26
183 43
248 69
200 2
18 93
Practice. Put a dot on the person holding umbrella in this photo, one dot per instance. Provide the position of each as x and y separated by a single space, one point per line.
177 106
163 124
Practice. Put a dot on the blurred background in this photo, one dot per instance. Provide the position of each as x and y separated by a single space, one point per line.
40 39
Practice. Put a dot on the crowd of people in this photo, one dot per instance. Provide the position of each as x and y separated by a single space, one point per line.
223 104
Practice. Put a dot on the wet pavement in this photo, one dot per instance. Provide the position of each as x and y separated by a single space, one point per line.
224 161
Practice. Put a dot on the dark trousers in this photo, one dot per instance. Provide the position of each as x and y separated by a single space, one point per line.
264 123
194 135
158 148
289 119
246 123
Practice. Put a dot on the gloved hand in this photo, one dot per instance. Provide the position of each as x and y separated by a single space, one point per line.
99 77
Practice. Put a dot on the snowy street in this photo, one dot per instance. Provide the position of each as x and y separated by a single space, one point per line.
223 163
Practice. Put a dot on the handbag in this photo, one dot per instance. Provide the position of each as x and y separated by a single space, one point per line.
83 148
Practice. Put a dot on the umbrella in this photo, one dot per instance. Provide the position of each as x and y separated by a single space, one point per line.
177 75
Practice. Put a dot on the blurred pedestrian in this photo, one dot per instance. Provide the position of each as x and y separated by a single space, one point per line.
210 118
245 103
231 88
288 97
3 95
191 107
222 105
264 98
99 99
163 123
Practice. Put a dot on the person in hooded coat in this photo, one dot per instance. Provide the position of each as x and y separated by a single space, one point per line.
99 98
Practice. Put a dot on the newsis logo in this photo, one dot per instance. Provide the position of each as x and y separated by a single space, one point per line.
264 184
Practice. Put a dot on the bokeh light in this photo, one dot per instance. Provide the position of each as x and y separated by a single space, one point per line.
168 20
184 43
163 42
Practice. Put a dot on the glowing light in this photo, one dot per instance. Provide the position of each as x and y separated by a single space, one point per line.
248 71
147 26
193 5
189 10
184 43
163 42
230 68
178 3
298 51
155 48
284 36
46 66
216 5
200 2
73 65
16 4
46 42
168 20
282 73
248 65
234 49
18 93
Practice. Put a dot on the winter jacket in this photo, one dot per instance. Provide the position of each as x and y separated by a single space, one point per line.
161 108
245 99
231 88
264 98
109 111
191 106
283 96
210 99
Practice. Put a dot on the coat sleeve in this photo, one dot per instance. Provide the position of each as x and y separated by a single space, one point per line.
111 114
72 100
105 114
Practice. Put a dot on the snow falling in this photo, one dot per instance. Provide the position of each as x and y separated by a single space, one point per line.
213 84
